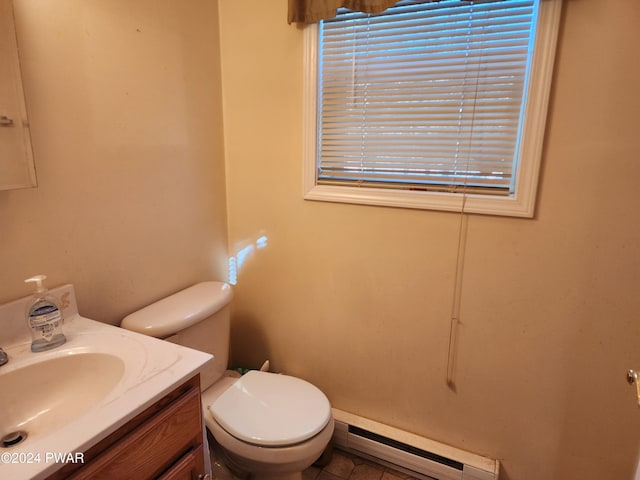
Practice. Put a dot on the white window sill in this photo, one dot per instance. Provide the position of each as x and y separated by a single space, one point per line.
451 202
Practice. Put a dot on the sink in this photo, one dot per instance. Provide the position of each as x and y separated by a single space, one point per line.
67 399
38 399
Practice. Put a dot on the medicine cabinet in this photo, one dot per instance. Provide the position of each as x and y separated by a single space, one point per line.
17 169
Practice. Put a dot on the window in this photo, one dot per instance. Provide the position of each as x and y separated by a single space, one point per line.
436 105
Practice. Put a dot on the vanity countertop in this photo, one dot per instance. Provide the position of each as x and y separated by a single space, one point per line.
149 369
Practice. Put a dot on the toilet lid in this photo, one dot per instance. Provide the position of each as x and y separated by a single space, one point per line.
271 410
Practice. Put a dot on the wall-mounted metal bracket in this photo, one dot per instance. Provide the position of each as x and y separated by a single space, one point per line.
5 121
632 377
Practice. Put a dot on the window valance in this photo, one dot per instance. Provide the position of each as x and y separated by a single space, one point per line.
311 11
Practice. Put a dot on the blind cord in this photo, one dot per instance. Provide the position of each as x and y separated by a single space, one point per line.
460 254
457 297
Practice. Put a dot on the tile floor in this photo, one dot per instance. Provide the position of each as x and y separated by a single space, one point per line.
343 466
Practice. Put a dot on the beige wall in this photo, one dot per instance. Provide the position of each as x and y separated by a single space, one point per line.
124 98
357 299
125 109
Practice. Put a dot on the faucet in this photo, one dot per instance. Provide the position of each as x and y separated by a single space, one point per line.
3 357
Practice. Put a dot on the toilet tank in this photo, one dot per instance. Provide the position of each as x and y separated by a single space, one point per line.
197 317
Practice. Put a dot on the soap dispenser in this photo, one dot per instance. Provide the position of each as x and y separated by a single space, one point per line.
44 318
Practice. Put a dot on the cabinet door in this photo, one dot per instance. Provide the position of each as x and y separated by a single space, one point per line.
153 447
16 156
187 468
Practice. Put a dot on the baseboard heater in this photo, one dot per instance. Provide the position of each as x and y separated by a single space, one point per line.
412 454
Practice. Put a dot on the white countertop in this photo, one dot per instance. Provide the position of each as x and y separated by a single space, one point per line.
152 368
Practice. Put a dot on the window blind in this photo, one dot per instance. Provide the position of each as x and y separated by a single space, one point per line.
428 95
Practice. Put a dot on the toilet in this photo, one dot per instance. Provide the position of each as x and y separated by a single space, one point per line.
269 426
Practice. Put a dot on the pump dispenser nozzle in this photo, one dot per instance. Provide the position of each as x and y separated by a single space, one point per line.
37 279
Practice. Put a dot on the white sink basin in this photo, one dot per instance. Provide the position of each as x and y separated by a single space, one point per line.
67 399
38 399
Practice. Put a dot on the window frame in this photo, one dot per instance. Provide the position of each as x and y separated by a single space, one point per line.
519 204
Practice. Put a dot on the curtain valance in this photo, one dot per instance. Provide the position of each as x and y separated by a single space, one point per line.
310 11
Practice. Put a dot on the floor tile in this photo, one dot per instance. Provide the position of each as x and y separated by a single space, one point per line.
311 473
324 475
341 465
367 471
393 475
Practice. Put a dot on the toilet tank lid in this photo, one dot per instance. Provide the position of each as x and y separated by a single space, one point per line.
180 310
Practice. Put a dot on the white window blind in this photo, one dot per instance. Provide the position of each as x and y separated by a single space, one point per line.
428 95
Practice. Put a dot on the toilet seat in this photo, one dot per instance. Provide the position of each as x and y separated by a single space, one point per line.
271 410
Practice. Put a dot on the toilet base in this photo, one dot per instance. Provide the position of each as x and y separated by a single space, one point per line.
223 466
259 463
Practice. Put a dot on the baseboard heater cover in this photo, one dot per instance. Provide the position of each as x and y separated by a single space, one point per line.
416 455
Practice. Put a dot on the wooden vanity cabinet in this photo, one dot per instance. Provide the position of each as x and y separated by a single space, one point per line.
164 442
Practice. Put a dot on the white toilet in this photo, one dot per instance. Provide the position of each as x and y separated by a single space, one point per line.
270 426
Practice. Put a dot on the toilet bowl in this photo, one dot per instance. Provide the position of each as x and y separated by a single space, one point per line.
273 426
269 426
